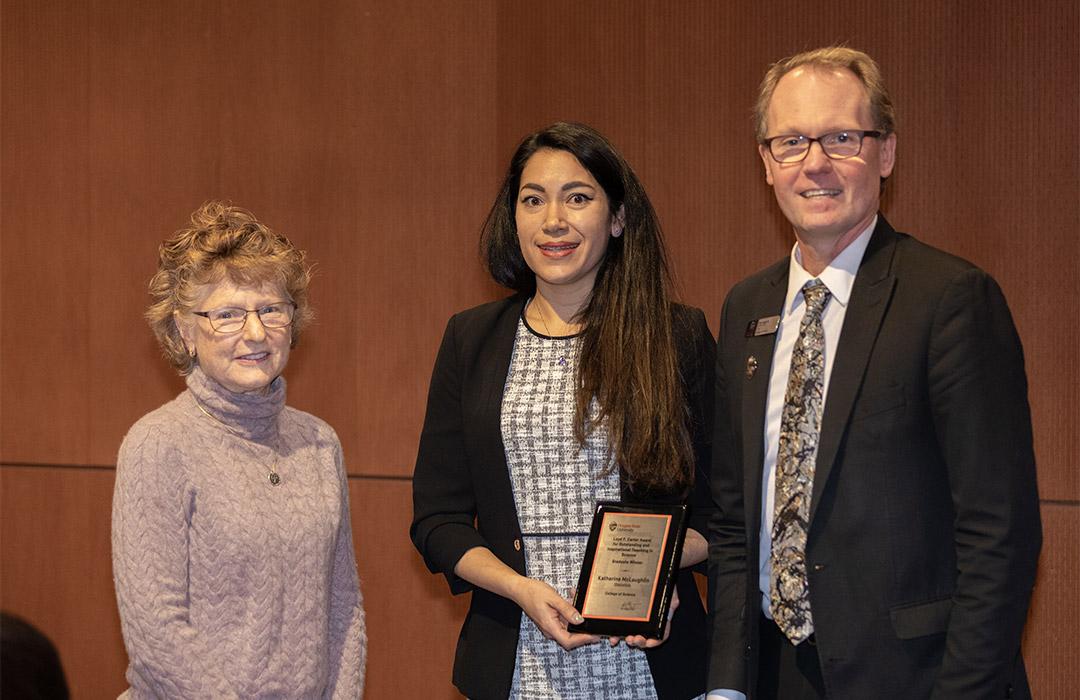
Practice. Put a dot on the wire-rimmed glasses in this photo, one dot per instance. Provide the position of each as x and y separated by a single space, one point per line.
231 319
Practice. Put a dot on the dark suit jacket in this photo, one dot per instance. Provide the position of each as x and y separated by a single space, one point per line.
924 521
462 497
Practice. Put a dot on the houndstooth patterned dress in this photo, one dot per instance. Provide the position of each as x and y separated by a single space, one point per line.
556 486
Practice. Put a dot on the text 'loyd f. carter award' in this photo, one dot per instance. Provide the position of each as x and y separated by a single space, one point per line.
629 570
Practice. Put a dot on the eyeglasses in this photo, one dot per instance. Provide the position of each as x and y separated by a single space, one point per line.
232 319
839 145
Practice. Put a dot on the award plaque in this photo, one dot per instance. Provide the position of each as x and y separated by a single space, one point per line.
628 575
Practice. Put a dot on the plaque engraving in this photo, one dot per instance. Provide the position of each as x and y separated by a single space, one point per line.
629 570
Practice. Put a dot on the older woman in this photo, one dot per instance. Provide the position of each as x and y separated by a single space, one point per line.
232 548
588 384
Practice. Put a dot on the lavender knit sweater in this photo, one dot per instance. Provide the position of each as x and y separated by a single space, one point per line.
228 586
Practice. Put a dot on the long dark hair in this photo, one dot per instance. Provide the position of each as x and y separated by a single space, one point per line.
629 362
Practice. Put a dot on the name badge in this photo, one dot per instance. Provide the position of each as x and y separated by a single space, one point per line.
762 326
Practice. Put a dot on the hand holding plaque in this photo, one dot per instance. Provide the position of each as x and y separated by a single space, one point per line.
628 576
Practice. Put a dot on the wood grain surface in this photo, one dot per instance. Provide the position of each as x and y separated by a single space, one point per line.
374 133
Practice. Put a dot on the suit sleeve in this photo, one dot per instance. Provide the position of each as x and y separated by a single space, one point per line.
699 399
978 395
444 501
727 533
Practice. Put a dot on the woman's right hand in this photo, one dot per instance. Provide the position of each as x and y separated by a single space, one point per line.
547 609
550 612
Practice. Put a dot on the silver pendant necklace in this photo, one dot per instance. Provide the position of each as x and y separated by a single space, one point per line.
274 477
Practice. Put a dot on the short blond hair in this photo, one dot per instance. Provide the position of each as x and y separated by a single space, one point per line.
223 242
860 64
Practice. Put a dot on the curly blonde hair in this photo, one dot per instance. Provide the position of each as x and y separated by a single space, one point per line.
223 242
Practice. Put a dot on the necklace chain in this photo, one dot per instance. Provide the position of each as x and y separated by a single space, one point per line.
562 361
274 477
540 313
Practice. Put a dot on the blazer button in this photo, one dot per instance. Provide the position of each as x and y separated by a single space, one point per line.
819 567
517 545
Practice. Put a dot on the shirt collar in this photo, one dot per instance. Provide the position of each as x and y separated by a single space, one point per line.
838 276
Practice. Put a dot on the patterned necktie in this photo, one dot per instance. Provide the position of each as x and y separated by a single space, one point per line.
800 425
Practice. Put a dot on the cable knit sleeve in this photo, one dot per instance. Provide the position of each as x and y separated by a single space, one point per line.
152 504
348 636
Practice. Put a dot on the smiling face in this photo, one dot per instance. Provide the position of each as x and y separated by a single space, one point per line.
563 223
828 202
248 360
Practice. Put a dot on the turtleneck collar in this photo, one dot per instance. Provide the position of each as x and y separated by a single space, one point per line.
251 415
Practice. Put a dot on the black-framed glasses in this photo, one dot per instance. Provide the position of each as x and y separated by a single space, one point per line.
231 319
839 145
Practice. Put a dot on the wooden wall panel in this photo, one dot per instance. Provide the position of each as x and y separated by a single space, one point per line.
374 133
412 619
1050 635
397 252
45 169
362 130
987 109
57 569
63 583
1001 194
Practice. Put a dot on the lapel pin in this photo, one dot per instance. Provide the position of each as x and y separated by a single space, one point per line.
751 367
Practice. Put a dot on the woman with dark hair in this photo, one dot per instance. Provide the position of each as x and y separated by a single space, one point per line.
588 384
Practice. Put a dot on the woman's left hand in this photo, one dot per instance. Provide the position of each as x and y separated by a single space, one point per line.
695 549
639 642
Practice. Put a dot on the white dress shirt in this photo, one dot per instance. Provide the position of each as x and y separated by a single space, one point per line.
839 277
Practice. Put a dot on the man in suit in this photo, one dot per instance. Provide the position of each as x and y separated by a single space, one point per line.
877 526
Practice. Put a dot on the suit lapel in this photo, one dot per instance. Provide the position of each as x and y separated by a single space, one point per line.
869 298
768 301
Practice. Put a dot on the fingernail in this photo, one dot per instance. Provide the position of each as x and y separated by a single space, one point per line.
578 619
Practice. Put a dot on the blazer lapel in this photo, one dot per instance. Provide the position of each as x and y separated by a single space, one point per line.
869 298
769 301
491 368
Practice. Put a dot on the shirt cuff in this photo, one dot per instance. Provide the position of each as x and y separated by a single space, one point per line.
724 694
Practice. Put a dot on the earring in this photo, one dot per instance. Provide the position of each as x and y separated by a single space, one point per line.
193 352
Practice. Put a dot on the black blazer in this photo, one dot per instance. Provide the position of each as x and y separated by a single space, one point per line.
924 519
462 497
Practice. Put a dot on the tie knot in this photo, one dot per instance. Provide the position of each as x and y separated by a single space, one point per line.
816 295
